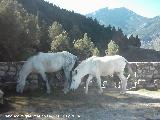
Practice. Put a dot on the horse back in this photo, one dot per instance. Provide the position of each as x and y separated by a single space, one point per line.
49 62
52 62
109 65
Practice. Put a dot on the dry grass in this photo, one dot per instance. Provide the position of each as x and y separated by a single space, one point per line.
110 105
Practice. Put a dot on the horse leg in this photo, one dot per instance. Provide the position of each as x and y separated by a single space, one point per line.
99 84
46 80
123 82
66 84
87 83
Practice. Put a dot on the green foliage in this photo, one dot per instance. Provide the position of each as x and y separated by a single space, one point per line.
95 51
113 48
59 38
60 43
18 33
85 47
45 42
135 41
26 28
54 30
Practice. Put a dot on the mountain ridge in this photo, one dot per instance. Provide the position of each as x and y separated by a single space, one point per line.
31 33
129 21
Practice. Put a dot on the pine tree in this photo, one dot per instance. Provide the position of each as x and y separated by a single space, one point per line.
18 28
85 47
60 43
59 38
54 30
113 48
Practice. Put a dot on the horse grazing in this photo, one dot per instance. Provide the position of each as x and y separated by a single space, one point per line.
47 62
101 66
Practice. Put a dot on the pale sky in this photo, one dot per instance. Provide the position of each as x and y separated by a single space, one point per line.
146 8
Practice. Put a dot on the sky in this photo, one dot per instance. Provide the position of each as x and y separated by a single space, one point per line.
146 8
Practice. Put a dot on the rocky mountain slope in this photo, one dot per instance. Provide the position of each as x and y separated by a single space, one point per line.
129 22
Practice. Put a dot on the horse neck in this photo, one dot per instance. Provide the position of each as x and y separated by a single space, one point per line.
25 71
84 70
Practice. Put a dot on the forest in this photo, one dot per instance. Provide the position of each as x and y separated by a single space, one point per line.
31 26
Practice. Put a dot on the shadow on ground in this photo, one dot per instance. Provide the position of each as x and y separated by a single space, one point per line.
77 105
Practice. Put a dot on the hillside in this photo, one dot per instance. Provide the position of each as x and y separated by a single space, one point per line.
129 22
141 55
149 30
31 19
75 24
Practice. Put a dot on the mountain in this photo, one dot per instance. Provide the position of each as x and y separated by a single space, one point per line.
131 23
25 26
149 30
29 22
75 24
127 20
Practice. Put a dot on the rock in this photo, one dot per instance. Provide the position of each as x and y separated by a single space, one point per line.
157 83
142 82
138 86
151 87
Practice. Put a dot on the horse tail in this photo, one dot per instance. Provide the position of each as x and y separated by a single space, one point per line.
24 72
131 73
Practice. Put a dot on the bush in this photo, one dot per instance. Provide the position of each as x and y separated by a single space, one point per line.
85 47
113 48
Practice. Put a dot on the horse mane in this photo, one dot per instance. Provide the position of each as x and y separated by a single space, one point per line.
66 53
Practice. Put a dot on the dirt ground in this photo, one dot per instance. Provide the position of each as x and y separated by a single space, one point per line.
111 105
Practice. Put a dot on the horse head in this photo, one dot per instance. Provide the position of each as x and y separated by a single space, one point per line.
76 79
77 74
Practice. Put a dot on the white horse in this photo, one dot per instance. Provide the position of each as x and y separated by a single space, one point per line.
100 66
47 62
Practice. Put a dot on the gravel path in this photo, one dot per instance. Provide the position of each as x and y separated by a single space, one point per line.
135 105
